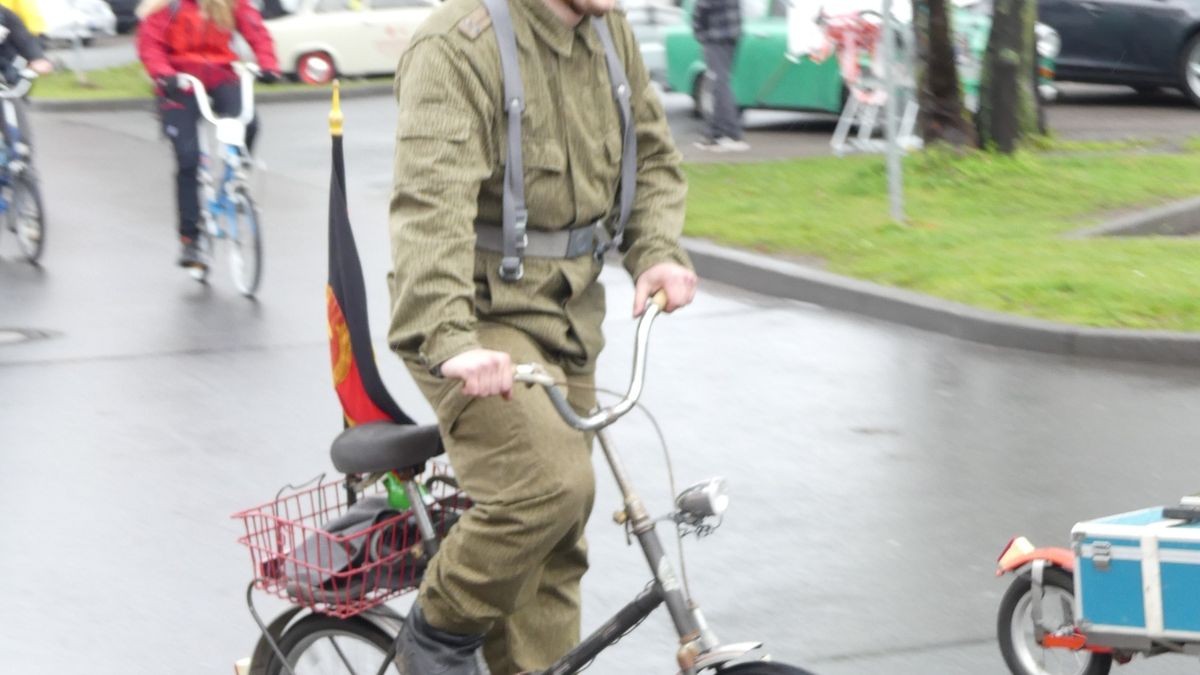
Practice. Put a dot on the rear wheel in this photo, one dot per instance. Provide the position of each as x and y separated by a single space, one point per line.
1015 627
326 645
245 244
315 68
26 217
1189 67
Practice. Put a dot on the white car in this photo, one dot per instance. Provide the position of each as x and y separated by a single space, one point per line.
324 38
68 20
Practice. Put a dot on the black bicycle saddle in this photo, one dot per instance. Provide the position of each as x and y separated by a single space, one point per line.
384 446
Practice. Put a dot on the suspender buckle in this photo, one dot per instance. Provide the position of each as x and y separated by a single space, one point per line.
512 268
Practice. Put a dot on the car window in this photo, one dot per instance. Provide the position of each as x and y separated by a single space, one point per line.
398 4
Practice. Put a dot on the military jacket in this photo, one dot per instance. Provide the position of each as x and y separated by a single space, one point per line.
449 169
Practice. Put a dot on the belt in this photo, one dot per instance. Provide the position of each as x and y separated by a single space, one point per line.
569 243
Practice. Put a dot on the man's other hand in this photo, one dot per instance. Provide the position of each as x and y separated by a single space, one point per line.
483 372
677 281
41 66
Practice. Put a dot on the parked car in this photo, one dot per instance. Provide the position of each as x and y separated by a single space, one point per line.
770 71
125 11
323 38
1143 44
764 75
649 19
67 20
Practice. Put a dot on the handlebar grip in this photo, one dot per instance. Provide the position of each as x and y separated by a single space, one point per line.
660 299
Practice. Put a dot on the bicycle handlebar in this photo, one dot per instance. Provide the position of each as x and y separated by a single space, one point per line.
534 373
21 88
246 72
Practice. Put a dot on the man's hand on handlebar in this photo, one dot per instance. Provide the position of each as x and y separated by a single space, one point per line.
677 281
270 77
484 372
41 66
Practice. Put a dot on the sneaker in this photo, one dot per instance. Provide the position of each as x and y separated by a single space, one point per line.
191 255
728 144
722 144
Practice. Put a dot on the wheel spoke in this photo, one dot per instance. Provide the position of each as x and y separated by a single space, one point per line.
342 656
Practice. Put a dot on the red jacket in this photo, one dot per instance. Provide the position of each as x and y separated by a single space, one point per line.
178 39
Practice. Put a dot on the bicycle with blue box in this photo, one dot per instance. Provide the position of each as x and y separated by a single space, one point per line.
1129 585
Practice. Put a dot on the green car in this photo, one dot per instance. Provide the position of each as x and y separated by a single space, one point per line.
763 74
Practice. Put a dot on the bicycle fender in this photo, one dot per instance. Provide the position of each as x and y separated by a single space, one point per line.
1019 553
262 650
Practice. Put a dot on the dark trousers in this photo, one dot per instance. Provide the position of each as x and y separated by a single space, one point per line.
18 129
180 117
718 59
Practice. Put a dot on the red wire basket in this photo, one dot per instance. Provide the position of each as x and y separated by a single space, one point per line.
313 549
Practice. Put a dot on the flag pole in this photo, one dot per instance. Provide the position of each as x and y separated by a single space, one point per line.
335 112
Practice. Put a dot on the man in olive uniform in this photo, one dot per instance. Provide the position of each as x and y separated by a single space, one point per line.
510 569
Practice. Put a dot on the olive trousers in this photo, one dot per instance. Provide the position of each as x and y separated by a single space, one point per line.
510 568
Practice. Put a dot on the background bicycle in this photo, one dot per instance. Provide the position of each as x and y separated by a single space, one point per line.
20 197
228 211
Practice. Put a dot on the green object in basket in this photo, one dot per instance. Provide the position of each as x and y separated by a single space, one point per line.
397 496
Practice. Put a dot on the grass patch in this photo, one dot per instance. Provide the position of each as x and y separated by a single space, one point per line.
985 229
131 82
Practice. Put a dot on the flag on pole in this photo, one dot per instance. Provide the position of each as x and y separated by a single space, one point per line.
355 377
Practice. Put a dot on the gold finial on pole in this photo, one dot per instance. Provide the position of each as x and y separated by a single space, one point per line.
335 113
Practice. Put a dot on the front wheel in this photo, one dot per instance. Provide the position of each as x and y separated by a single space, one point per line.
26 217
245 250
325 645
1018 643
763 668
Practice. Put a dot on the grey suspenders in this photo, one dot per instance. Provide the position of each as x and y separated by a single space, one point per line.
516 240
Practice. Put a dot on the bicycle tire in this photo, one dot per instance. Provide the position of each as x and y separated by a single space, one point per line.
763 668
27 200
245 250
351 639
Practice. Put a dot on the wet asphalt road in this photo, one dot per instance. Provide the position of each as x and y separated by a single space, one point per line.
876 471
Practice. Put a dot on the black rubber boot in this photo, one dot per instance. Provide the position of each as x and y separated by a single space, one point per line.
425 650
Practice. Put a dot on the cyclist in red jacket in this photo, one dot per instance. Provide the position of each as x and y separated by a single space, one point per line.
193 37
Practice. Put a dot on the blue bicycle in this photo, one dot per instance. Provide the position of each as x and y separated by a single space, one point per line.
20 199
228 211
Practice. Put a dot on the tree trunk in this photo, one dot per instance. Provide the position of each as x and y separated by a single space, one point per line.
1008 109
942 116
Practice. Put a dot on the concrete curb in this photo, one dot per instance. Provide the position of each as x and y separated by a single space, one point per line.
1172 220
147 104
779 278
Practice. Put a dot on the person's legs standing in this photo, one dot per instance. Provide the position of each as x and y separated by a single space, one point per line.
511 566
725 121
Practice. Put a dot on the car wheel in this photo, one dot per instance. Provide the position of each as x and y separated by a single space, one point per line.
1189 68
315 68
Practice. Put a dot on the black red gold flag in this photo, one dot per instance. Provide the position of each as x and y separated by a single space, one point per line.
356 378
